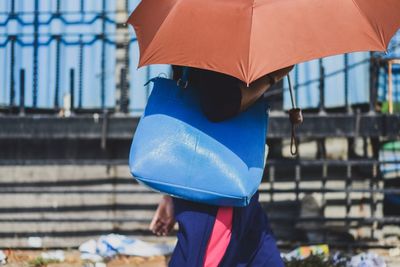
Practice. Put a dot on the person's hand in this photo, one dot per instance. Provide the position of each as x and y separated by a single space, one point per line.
163 220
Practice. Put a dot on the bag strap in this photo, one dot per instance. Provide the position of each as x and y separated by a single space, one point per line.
296 118
183 82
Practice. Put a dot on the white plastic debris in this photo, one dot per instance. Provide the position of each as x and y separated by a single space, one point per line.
89 251
110 245
367 260
131 246
338 259
3 258
35 242
56 255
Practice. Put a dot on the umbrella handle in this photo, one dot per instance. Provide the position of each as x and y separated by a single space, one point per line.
291 91
296 118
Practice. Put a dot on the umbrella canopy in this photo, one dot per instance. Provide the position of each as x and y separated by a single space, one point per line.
250 38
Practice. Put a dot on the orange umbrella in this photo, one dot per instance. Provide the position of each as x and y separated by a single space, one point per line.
250 38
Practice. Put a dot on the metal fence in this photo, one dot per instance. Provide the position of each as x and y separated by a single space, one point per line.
57 54
75 60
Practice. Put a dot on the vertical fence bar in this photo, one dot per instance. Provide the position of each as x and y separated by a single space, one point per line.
374 70
82 7
12 8
12 71
35 54
72 88
390 86
348 197
324 182
272 181
297 181
22 92
124 103
374 185
58 7
321 148
127 72
57 74
103 57
80 80
321 86
365 146
346 83
122 56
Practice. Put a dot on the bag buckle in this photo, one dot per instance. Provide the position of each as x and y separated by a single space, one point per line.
182 84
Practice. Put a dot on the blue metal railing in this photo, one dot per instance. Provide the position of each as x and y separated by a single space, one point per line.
50 44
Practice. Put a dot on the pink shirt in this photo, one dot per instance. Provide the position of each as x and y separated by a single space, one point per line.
220 237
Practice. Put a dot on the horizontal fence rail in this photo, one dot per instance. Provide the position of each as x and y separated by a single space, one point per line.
350 196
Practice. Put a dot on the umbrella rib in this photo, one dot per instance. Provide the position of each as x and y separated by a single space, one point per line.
382 39
250 39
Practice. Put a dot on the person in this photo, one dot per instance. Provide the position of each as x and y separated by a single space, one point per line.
213 236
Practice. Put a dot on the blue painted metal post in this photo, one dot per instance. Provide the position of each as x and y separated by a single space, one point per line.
374 70
57 81
35 54
346 83
58 8
103 58
124 102
72 88
81 54
12 71
12 8
321 86
22 92
82 6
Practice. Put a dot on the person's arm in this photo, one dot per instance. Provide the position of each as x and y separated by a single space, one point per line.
257 88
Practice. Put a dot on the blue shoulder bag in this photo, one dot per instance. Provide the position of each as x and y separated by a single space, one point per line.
176 150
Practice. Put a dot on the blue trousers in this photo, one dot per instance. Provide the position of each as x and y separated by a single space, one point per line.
252 242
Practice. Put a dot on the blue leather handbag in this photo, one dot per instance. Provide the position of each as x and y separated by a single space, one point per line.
176 150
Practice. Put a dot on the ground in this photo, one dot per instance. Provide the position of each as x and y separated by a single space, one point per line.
22 258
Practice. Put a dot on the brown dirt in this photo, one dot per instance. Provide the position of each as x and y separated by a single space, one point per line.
23 258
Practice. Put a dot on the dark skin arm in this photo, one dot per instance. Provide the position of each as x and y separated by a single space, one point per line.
257 88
